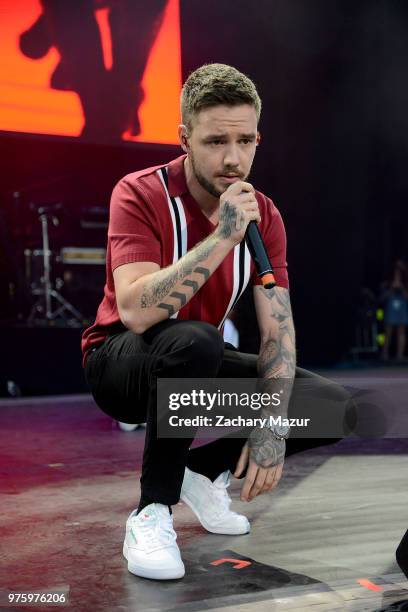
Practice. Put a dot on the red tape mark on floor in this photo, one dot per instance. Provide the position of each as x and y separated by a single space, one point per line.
239 563
369 585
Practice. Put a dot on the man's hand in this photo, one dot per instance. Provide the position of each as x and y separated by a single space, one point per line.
238 206
259 479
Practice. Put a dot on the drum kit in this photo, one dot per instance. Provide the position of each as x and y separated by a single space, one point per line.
51 275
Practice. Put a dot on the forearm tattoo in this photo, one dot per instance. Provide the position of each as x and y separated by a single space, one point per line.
277 357
159 287
266 450
227 220
276 369
157 290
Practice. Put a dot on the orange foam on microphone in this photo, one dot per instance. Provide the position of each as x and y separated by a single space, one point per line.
268 280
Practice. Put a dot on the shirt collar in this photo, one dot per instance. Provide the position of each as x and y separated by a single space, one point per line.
177 177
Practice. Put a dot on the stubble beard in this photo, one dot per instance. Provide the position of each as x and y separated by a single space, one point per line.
205 184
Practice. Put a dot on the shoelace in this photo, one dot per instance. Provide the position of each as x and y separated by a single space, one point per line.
151 533
220 495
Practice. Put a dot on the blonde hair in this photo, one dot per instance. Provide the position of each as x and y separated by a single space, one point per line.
214 84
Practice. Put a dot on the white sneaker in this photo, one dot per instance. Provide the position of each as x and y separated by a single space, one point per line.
150 544
210 502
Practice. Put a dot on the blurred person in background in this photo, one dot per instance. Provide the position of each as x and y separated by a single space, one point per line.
395 301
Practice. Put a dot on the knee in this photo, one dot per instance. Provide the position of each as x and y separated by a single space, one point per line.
402 554
205 341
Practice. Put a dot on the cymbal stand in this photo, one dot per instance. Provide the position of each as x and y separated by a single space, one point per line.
42 311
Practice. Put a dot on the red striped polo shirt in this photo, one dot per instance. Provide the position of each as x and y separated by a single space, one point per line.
153 217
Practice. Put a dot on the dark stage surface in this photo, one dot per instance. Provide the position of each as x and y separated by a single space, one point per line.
324 540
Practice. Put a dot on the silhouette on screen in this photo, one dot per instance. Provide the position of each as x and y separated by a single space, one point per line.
110 98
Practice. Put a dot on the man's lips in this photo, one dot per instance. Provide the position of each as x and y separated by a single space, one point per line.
229 177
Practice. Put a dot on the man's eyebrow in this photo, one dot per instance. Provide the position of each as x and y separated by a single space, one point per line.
250 136
214 136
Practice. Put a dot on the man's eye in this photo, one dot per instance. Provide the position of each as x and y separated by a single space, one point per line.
217 142
245 141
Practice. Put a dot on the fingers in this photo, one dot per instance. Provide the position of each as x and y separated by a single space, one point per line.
260 480
242 461
272 479
246 201
278 475
238 187
244 218
238 207
269 480
249 481
254 482
240 220
258 484
245 198
253 214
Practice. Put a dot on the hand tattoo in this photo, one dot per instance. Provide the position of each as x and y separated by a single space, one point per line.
266 450
227 220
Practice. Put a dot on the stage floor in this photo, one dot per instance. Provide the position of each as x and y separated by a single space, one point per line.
325 539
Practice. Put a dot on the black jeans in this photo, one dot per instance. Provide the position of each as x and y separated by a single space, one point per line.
402 554
122 375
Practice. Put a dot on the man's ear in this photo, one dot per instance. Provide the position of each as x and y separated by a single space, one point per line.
258 138
183 138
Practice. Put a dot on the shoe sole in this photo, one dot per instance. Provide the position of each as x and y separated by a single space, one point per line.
206 526
159 574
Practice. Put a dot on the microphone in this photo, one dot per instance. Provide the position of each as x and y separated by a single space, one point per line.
258 252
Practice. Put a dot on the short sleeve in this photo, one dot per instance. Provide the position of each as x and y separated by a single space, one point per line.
133 229
274 236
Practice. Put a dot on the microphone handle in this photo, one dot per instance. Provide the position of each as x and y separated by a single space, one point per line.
258 252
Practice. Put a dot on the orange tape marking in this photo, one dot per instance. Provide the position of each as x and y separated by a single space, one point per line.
369 585
239 563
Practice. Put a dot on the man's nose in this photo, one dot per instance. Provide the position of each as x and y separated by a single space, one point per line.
231 157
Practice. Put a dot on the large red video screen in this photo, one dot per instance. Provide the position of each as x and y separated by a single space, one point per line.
101 70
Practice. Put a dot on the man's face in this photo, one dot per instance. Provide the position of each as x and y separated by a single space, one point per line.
222 144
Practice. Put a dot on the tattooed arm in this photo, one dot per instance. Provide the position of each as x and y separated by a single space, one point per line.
276 366
277 355
263 453
147 295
